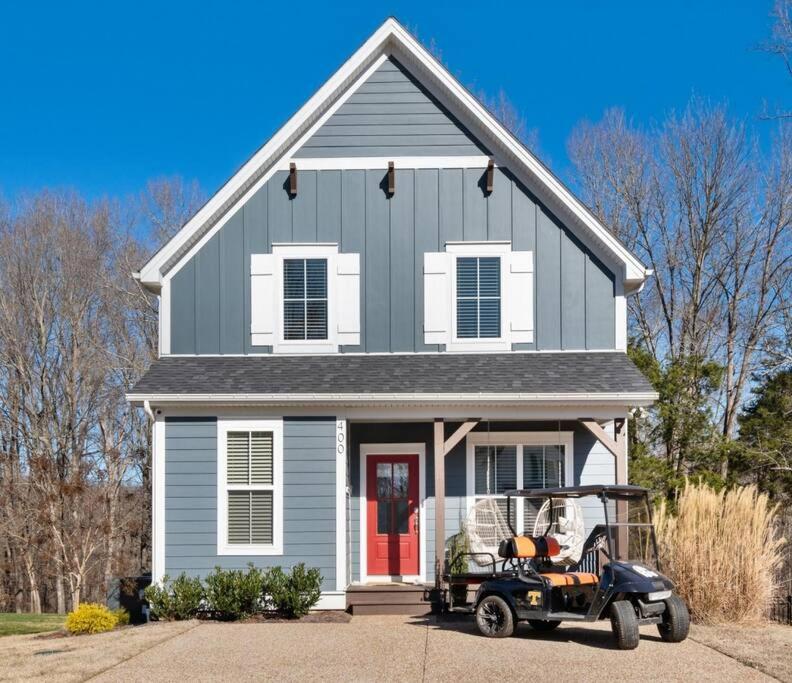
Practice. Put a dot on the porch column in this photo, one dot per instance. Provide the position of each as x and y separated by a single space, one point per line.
443 447
439 495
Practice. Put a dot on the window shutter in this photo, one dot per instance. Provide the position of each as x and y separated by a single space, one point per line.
437 298
348 298
521 296
239 517
261 457
262 299
237 467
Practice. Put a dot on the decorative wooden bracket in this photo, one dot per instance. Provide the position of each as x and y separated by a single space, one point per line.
293 179
617 448
490 183
391 178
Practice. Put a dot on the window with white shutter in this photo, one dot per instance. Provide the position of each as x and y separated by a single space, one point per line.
478 296
250 487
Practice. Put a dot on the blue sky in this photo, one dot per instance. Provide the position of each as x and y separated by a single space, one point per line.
100 97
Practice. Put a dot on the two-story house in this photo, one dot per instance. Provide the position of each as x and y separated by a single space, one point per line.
392 310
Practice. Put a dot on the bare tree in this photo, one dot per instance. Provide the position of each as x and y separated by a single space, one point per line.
695 200
780 45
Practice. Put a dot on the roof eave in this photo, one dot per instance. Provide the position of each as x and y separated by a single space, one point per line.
632 399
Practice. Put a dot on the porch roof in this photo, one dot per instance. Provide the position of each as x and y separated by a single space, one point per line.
516 376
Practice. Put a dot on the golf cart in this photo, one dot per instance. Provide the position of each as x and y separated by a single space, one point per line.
560 573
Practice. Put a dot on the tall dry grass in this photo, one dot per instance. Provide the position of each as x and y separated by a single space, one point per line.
722 549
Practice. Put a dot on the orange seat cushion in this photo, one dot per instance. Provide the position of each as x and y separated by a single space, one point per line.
529 547
571 579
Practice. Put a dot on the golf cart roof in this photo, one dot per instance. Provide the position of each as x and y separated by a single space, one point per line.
622 490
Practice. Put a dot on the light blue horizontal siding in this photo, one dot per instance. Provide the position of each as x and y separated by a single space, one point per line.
309 498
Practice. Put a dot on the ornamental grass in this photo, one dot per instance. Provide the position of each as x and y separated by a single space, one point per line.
722 549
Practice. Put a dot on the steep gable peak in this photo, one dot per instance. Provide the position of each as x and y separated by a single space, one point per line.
392 43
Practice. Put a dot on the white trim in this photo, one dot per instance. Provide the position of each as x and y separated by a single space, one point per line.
418 449
158 498
389 38
331 600
164 300
518 439
341 507
620 318
366 163
275 426
397 413
327 251
481 250
412 399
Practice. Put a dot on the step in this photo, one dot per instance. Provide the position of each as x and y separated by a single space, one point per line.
414 610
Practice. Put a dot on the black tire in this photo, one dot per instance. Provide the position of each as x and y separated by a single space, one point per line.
543 626
624 623
494 617
676 621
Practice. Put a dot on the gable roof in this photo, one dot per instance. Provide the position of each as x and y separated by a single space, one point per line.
392 39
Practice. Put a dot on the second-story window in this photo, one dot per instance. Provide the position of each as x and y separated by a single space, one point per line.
304 299
478 297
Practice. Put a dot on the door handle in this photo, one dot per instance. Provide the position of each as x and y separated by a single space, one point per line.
416 521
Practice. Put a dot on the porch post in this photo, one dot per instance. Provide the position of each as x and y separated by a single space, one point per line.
439 495
620 430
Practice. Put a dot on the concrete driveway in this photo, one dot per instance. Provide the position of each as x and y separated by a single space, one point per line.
405 649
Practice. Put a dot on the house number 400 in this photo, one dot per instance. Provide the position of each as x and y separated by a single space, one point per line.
340 436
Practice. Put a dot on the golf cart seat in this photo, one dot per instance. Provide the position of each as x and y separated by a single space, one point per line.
570 578
528 547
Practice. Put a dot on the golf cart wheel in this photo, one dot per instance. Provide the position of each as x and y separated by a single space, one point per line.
543 626
494 617
676 621
624 623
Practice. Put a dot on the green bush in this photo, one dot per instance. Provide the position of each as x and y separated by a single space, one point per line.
175 600
90 617
234 593
122 616
292 595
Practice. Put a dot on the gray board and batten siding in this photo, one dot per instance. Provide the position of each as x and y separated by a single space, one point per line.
391 114
309 498
574 291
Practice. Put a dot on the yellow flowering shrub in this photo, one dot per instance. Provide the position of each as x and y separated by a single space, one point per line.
90 617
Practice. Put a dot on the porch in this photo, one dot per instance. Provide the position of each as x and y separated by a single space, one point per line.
397 542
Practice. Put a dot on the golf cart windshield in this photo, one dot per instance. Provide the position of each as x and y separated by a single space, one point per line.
589 524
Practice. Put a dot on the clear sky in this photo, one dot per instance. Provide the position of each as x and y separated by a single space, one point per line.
102 96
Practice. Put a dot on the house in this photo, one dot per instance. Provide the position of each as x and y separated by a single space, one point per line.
392 310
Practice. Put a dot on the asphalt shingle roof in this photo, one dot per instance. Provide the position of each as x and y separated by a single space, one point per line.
444 373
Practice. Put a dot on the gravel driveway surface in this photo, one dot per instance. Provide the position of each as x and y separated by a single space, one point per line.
404 649
365 649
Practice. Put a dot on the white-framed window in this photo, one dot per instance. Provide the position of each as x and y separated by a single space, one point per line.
478 296
305 305
305 298
249 487
500 461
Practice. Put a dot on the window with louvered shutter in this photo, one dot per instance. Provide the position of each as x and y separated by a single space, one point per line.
305 299
250 484
478 297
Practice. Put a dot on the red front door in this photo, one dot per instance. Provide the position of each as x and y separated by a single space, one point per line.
392 514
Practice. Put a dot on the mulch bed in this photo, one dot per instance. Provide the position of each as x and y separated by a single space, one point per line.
318 617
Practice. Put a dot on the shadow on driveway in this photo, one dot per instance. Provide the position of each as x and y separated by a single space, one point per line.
592 636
